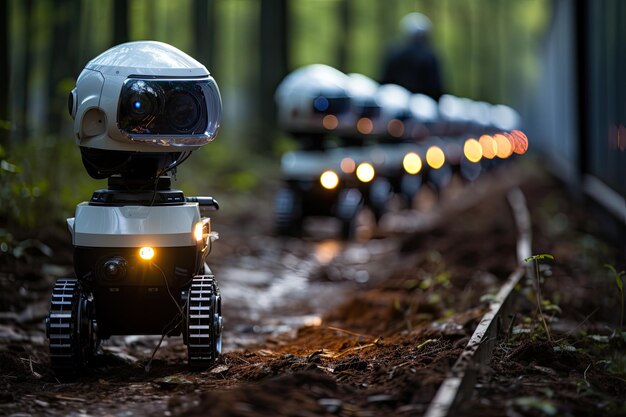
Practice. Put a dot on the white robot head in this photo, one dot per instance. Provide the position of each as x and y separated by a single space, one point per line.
313 100
142 97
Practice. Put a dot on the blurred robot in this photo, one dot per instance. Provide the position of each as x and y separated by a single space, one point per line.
413 63
314 107
140 109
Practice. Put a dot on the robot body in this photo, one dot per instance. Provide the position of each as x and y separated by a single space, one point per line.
140 109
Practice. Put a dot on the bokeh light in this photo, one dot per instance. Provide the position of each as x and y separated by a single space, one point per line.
412 163
365 172
329 180
347 165
435 157
504 146
330 122
489 145
472 150
395 128
364 126
519 142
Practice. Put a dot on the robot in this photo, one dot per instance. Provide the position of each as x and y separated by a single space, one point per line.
314 107
140 109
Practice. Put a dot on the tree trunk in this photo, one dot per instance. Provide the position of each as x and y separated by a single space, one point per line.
4 74
64 63
120 21
204 31
344 34
22 121
274 46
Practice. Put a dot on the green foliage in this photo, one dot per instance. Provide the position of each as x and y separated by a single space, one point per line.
12 249
539 300
619 282
539 257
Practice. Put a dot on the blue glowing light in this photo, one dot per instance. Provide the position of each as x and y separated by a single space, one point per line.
137 104
320 103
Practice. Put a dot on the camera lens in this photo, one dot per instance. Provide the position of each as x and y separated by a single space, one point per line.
140 106
182 111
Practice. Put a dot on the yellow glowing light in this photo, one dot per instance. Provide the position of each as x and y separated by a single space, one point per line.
330 122
365 172
395 128
146 253
472 150
489 145
329 180
412 163
347 165
198 232
435 157
364 126
504 146
519 142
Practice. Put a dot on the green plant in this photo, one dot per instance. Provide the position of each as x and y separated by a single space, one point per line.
536 259
620 286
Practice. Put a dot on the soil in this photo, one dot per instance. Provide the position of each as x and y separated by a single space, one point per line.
321 327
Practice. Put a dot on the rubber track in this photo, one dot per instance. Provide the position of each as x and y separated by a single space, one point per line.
201 334
63 310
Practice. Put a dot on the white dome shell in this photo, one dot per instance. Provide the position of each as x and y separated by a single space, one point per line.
146 58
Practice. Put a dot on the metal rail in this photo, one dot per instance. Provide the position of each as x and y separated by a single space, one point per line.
460 381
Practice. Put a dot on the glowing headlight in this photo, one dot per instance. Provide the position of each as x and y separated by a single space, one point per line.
489 146
435 157
146 253
365 172
197 232
472 150
329 180
503 145
412 163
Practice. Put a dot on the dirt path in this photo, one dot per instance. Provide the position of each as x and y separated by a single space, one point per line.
314 326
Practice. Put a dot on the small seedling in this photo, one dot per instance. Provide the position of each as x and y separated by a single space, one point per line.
620 287
536 259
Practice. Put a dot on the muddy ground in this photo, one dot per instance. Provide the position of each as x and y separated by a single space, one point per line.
318 326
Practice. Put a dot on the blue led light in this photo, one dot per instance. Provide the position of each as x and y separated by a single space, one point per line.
137 104
320 103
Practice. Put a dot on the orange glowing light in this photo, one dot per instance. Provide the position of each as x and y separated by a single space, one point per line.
146 253
472 150
365 172
347 165
412 163
435 157
519 141
364 126
489 145
395 128
330 122
504 146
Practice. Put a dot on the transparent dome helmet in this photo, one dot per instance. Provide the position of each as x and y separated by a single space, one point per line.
313 100
143 107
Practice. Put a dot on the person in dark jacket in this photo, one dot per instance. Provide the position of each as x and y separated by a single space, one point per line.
413 63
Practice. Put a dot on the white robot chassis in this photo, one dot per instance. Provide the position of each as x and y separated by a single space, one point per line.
139 111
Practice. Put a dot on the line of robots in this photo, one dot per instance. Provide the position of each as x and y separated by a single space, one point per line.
362 144
141 108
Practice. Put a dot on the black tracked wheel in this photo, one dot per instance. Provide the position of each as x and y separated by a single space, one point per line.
70 326
204 322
